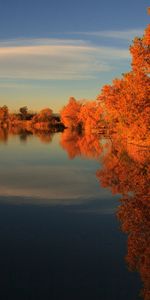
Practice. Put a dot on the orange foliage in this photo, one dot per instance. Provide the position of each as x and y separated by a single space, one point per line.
70 112
43 116
90 116
127 101
82 115
140 51
4 114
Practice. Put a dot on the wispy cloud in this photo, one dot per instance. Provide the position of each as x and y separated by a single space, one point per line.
56 59
113 34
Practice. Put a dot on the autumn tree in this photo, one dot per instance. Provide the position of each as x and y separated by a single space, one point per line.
82 115
4 113
23 111
44 115
70 113
140 51
90 116
127 101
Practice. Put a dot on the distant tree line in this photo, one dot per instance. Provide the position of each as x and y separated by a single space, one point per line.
45 119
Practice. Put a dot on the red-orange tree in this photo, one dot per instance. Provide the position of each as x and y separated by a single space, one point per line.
127 100
70 113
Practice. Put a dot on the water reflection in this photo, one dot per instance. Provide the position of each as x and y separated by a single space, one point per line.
123 169
3 135
40 168
75 144
23 134
126 170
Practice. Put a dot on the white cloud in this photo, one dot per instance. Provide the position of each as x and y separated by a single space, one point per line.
56 59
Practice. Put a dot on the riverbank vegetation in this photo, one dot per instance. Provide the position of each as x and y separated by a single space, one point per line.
45 120
123 108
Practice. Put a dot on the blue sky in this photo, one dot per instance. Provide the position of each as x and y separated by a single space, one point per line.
51 50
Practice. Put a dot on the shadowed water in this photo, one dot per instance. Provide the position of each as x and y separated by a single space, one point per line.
60 236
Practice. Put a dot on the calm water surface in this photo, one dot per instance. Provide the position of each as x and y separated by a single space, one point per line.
60 237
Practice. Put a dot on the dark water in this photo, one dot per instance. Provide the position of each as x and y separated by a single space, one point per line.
60 237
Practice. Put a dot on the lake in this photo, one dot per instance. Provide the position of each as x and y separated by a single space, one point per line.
61 218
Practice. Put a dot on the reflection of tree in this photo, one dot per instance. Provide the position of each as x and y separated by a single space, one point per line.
44 136
126 170
3 135
24 135
134 214
80 145
129 174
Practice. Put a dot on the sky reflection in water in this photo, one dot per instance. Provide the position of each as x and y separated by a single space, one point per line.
43 173
60 225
